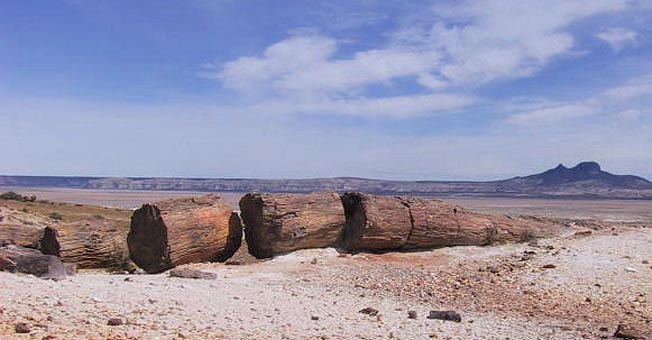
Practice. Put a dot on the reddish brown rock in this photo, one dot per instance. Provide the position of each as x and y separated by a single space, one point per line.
174 232
281 223
88 244
22 328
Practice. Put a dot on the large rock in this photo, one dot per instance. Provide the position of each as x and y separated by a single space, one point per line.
178 231
88 244
17 259
280 223
380 223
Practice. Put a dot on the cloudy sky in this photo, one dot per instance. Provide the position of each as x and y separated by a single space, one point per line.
373 88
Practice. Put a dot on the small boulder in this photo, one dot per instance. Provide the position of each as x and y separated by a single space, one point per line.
22 327
17 259
446 315
412 314
369 311
114 322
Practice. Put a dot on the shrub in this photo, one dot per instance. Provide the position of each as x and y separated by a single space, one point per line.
56 216
10 195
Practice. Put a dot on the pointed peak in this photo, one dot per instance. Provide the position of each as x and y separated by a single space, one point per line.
560 167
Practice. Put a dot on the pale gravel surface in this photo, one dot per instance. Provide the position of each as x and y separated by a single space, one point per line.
276 299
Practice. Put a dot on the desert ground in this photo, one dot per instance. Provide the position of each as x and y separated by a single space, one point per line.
581 284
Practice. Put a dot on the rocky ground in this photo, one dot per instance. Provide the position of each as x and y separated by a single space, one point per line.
578 286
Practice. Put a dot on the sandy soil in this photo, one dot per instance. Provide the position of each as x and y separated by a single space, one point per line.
502 292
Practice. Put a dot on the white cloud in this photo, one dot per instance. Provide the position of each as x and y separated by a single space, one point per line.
630 114
621 102
390 107
456 48
635 88
618 38
552 115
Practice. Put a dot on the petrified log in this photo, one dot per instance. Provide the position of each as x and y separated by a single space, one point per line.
379 223
88 244
17 259
438 223
21 234
178 231
375 222
280 223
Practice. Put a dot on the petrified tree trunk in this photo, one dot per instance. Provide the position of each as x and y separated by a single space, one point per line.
375 222
379 223
21 234
88 244
281 223
178 231
438 223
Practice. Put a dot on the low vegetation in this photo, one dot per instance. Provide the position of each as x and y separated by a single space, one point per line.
12 196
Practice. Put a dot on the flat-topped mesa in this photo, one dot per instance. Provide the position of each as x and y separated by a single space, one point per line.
88 244
281 223
186 230
381 223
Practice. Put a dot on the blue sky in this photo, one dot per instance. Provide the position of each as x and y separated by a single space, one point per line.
425 90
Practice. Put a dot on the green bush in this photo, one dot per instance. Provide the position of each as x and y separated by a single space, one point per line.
10 195
56 216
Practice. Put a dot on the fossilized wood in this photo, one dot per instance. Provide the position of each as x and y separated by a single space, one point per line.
88 244
21 234
375 222
17 259
186 230
380 223
281 223
438 223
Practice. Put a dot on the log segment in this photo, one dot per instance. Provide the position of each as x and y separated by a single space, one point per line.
439 223
88 244
281 223
381 223
375 222
186 230
21 234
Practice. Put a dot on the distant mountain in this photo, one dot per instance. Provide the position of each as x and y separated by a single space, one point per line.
585 180
583 174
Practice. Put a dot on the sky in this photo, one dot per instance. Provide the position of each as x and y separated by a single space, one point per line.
414 90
